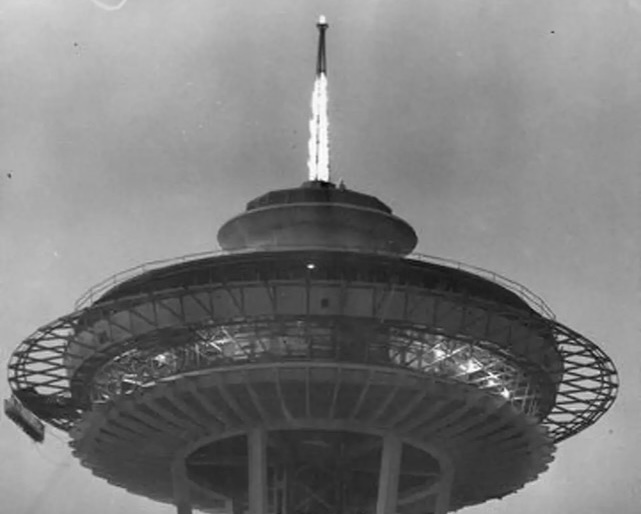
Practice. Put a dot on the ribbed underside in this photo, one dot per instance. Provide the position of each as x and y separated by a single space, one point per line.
132 442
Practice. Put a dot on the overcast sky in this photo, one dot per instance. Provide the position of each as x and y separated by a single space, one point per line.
506 131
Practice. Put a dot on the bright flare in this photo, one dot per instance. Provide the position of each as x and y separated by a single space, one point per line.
318 163
109 6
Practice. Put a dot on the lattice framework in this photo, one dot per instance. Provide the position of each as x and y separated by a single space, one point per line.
38 374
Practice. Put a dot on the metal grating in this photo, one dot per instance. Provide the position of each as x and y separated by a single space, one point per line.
38 374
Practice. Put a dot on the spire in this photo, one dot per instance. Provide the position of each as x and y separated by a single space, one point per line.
318 162
321 62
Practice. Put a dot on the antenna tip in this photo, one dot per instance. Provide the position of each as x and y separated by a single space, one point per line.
322 22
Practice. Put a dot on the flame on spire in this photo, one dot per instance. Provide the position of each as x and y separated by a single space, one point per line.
109 6
318 162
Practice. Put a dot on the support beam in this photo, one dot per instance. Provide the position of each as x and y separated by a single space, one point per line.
257 451
182 498
442 500
389 475
444 488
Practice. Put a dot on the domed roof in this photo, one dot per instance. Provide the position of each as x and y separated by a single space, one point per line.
321 215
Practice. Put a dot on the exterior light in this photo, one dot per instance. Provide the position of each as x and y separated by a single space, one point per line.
470 366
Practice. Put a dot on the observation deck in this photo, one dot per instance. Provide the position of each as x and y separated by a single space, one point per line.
316 344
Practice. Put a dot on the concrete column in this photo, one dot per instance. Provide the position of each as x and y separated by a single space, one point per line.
257 451
180 481
389 474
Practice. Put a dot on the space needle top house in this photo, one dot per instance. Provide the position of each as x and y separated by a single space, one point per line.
313 365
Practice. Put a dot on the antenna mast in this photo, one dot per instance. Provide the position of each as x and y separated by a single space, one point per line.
318 163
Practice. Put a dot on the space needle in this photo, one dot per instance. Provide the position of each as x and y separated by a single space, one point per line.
314 364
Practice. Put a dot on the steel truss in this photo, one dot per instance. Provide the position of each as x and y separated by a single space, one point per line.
303 478
585 387
479 363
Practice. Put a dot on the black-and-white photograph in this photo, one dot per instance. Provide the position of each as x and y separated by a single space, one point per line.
320 257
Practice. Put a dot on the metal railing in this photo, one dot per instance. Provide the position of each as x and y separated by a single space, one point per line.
97 290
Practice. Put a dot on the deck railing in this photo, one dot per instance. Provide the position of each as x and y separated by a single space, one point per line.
97 290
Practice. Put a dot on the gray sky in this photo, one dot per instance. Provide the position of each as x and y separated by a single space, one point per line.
505 131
